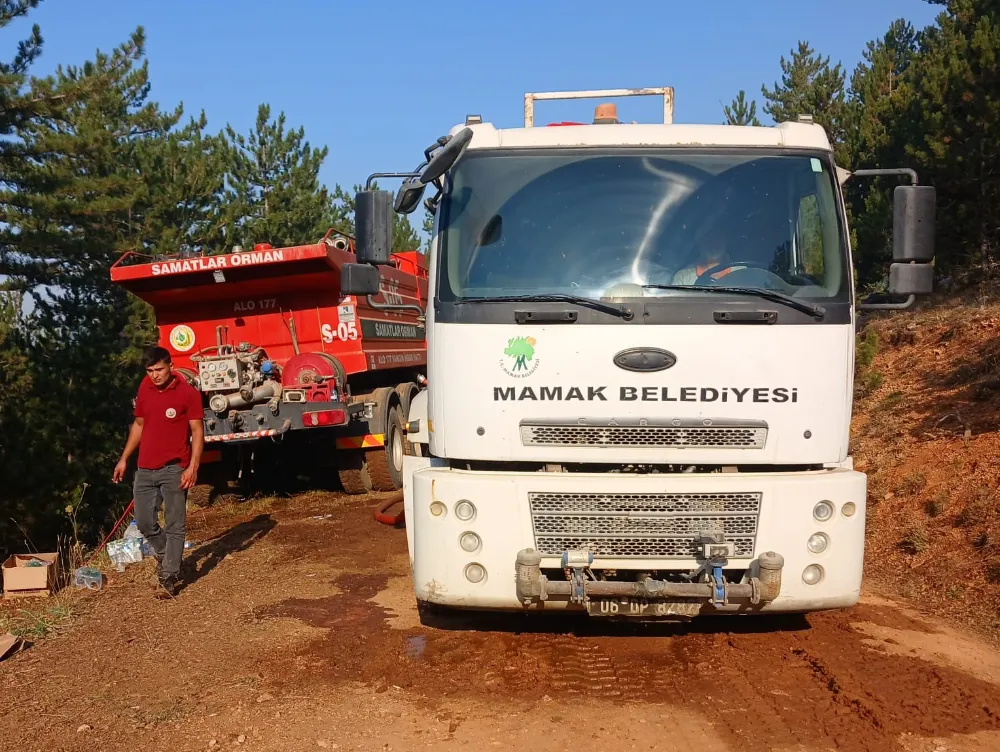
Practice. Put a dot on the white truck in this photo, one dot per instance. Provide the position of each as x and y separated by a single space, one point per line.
640 365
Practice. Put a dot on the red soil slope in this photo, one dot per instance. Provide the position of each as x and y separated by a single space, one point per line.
926 431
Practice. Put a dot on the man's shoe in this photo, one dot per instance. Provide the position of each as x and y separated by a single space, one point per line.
168 587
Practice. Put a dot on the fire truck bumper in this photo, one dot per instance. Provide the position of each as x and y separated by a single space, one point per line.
259 421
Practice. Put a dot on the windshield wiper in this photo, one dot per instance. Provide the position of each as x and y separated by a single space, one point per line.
817 311
557 297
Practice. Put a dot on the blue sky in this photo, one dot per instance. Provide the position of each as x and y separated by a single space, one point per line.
377 82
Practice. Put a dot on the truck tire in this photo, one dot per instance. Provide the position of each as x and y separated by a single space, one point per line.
200 496
356 479
385 464
406 393
213 484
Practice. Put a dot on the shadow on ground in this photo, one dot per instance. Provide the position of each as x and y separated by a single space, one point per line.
581 625
206 557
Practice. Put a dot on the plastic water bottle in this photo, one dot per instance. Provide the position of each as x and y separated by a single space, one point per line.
132 531
88 577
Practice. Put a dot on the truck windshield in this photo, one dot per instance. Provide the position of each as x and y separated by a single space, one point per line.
603 223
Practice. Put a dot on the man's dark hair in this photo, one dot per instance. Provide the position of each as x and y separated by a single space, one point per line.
153 355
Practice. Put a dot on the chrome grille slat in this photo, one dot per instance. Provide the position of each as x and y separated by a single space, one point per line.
649 525
672 503
651 436
602 526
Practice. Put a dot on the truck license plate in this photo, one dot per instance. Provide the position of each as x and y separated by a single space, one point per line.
641 607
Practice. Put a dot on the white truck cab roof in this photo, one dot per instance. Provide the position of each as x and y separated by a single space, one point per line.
803 134
785 135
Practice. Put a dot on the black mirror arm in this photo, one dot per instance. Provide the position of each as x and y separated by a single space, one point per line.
376 175
875 172
436 145
431 203
888 306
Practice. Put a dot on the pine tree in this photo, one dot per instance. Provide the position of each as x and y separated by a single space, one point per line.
106 177
19 105
809 86
16 403
954 116
184 198
741 112
273 193
876 137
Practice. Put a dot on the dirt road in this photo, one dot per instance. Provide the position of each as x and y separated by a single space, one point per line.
298 631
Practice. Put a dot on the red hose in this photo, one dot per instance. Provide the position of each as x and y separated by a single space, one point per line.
117 525
389 519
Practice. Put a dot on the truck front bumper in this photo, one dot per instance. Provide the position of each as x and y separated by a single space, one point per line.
485 540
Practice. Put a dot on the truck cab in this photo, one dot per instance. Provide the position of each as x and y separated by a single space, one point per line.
640 367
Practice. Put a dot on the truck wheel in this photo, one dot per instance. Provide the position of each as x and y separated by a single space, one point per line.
356 479
386 463
406 393
200 496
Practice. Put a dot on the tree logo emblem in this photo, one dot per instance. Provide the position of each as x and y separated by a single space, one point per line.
182 337
520 360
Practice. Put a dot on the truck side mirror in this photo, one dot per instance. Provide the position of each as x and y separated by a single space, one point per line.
373 220
359 279
409 195
912 240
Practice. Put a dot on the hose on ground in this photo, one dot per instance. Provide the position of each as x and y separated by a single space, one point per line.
382 515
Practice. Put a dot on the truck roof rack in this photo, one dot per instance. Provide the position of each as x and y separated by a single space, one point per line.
667 92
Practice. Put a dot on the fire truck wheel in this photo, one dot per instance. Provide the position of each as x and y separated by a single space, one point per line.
201 495
356 480
386 463
406 393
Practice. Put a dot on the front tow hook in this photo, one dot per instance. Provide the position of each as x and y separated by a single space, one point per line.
532 585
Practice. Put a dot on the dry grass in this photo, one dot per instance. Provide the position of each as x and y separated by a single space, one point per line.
913 483
937 506
915 539
977 510
35 618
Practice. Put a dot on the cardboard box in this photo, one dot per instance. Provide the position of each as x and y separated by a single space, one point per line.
21 580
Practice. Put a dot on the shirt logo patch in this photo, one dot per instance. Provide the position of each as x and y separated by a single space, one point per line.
171 413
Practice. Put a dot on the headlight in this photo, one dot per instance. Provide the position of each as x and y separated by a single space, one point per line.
469 542
812 574
475 573
817 543
464 510
823 511
438 509
849 509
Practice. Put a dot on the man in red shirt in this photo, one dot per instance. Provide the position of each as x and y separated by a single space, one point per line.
170 435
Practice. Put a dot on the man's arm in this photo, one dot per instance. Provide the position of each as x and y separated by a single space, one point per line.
134 435
190 476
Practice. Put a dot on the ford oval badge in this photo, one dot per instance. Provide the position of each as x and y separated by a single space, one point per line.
645 359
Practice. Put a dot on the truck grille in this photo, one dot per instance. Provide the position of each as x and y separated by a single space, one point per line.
668 435
653 526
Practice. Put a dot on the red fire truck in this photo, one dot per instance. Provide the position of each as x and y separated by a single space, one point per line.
296 377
